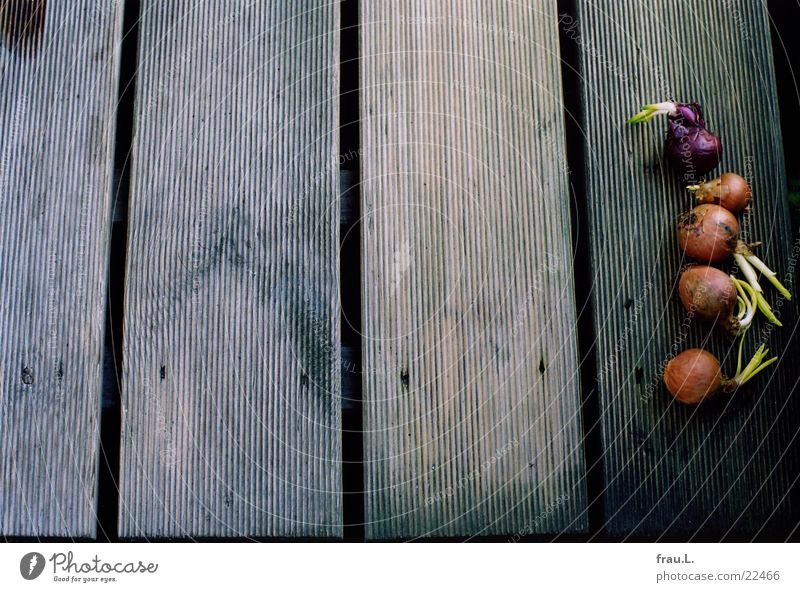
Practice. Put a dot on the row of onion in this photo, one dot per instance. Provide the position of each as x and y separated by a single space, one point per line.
709 234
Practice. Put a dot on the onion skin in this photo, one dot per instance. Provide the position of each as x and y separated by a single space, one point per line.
729 190
690 147
693 376
708 293
708 233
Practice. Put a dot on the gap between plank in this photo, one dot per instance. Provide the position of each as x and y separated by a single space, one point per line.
110 419
587 339
350 275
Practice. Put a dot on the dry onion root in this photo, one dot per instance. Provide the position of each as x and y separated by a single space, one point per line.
695 375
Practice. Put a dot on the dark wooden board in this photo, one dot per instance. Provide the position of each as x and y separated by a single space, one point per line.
470 376
231 394
724 469
58 89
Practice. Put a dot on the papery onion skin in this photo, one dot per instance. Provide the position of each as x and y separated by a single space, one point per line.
729 190
690 147
708 233
708 293
693 376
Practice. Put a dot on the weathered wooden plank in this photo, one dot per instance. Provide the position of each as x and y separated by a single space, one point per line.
471 388
721 469
58 88
231 403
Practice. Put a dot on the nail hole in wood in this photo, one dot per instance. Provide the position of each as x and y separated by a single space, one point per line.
404 378
27 375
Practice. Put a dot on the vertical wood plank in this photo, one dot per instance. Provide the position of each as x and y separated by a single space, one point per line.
58 88
231 403
723 469
471 386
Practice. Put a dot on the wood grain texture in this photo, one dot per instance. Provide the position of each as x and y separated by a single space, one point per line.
231 403
471 390
724 469
58 88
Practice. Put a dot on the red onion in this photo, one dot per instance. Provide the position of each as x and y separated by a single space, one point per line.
690 147
729 190
708 233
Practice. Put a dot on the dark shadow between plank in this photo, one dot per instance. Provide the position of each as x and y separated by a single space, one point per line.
110 421
350 276
590 408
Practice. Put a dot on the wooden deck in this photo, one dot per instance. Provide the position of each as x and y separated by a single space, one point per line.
231 394
470 351
671 470
57 119
514 278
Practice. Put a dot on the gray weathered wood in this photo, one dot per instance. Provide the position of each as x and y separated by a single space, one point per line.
471 387
231 404
725 468
58 86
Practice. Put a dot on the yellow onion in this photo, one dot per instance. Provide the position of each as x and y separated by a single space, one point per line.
708 233
729 190
695 375
708 293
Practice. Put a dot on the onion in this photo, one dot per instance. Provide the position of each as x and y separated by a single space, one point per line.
711 295
708 233
695 375
692 376
690 147
708 293
729 190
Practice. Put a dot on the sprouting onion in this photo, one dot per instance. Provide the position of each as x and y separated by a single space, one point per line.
729 190
714 296
711 295
689 146
695 375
